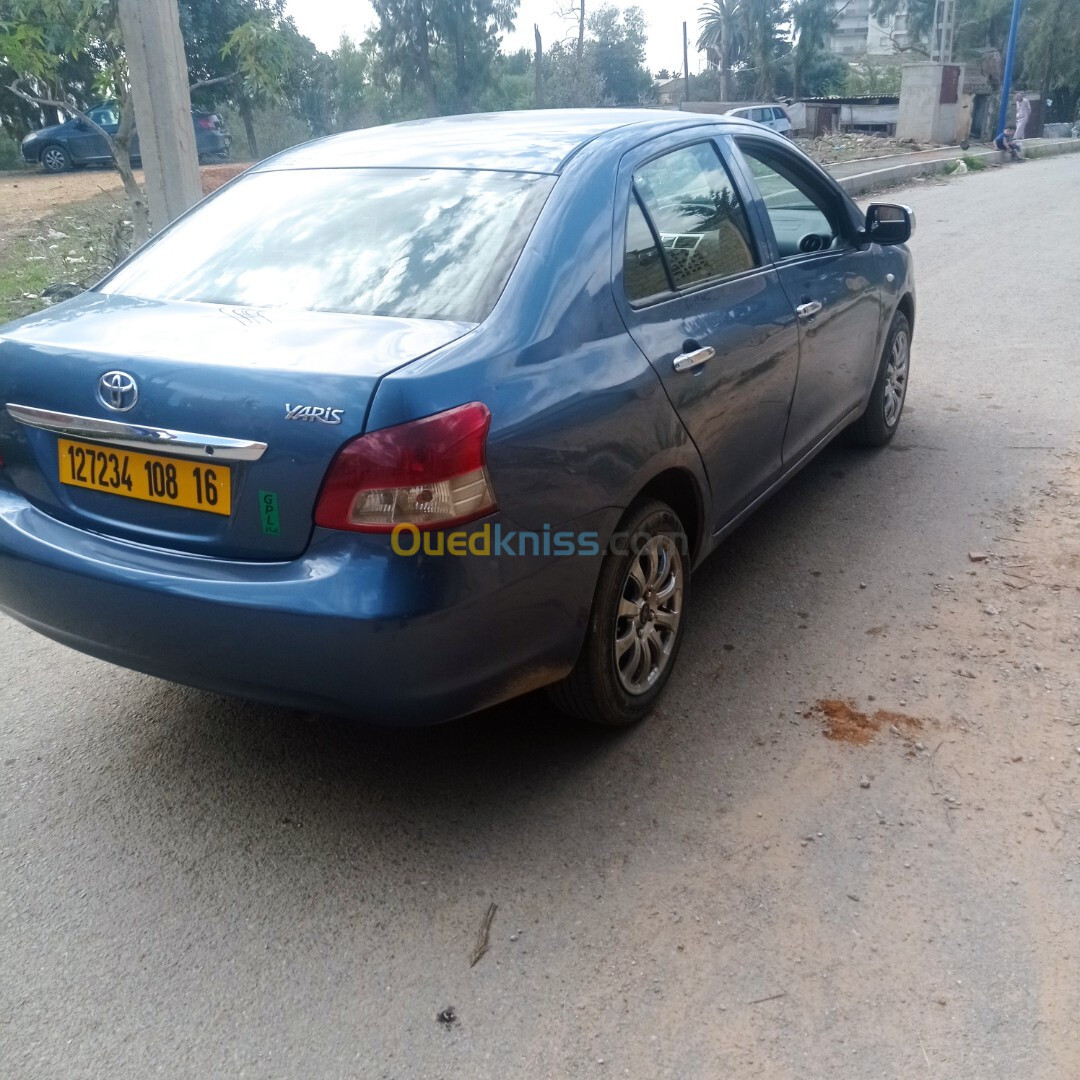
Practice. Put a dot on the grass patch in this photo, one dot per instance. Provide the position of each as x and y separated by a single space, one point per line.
974 164
78 243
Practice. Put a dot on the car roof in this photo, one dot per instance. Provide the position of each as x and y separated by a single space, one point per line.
523 141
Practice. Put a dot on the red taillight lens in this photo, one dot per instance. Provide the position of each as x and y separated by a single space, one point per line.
430 473
206 122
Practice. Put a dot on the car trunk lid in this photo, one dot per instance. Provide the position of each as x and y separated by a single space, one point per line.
253 403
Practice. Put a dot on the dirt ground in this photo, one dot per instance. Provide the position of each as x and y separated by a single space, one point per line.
27 195
828 149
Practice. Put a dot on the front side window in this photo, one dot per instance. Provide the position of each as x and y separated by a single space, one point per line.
803 217
408 243
697 214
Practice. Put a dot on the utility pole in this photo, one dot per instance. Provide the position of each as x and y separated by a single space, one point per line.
159 90
1006 75
686 66
941 42
539 67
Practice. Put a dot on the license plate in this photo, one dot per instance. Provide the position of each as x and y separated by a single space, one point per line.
150 477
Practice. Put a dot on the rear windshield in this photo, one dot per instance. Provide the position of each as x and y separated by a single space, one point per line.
410 243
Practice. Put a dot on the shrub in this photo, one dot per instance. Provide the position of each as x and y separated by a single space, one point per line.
10 158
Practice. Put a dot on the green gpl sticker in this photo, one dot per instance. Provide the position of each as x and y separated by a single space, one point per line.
268 510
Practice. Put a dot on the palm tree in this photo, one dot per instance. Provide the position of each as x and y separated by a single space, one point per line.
723 36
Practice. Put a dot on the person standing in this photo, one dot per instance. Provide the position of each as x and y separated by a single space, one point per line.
1023 111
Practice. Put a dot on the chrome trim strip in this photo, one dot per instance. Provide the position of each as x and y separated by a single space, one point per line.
137 436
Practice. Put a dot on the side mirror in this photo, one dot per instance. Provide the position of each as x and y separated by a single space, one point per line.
888 223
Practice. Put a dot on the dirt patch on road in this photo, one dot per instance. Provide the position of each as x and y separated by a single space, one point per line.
844 722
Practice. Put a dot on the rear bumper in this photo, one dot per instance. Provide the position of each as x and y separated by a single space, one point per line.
349 628
213 142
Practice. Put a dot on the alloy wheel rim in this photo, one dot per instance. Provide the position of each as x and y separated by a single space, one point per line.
896 373
649 613
54 158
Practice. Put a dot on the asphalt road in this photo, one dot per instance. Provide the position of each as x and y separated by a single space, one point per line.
196 887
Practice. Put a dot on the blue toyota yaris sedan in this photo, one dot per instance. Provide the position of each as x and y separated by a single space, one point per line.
411 420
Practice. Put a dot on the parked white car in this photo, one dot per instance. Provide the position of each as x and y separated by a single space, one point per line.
772 116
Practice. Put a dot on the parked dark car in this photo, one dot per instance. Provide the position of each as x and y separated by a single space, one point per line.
411 420
75 143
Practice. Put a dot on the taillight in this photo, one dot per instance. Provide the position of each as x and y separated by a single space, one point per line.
430 473
206 122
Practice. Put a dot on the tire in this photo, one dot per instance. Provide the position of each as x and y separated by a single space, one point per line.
881 418
628 656
55 159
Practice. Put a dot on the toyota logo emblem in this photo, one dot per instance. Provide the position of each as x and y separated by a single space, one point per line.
117 390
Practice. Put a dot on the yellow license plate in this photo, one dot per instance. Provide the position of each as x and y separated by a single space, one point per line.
150 477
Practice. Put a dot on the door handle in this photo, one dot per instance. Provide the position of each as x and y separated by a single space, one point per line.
809 309
687 361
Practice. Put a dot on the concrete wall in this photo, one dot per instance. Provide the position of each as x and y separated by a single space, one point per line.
922 117
797 112
869 114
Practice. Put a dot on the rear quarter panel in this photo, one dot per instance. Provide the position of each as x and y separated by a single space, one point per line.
579 419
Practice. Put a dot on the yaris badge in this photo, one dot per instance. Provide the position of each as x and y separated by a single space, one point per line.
322 414
118 390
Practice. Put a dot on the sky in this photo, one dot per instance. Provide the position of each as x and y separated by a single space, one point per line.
324 21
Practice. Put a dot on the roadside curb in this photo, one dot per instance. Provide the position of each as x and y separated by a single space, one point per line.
861 182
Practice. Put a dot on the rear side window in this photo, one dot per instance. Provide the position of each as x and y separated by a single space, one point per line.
409 243
643 265
697 214
105 116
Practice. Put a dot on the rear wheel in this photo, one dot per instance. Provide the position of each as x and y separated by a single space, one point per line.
55 159
636 625
879 422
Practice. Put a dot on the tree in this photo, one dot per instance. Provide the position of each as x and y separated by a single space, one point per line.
34 38
1050 56
243 51
723 36
568 83
812 22
763 20
617 52
872 78
443 50
38 39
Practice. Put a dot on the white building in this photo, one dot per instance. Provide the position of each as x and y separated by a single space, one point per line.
857 33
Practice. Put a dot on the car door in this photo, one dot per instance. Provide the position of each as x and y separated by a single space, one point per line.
86 143
707 311
830 280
